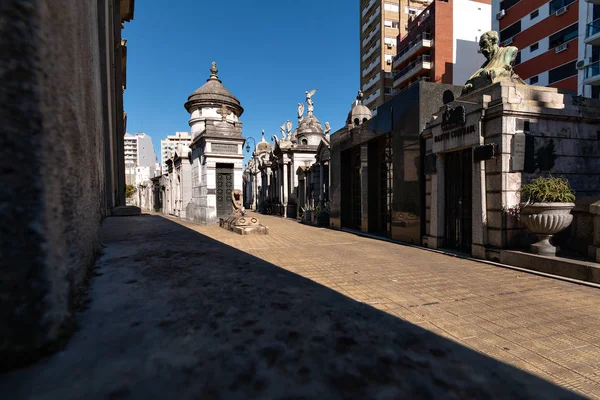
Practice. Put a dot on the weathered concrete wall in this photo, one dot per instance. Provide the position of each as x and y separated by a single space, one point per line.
52 160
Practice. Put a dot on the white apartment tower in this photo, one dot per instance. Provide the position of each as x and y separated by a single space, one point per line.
170 144
139 153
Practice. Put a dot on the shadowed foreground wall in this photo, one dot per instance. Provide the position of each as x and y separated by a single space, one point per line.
53 144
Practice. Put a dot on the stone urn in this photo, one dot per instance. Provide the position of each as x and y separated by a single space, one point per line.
546 220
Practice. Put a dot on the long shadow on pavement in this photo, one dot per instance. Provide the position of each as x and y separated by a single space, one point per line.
175 314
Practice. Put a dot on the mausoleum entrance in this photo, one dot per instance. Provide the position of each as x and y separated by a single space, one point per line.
458 184
224 188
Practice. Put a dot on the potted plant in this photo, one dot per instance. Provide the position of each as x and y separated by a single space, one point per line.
322 211
546 210
308 212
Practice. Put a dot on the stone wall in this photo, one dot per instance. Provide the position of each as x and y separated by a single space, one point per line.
52 155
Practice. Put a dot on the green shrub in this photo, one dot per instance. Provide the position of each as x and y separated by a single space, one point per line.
129 191
547 190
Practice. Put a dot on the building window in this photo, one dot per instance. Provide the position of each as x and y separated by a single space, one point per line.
563 72
534 14
506 4
534 47
517 59
391 7
563 36
391 24
533 80
511 31
556 5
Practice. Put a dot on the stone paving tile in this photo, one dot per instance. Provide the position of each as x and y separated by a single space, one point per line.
548 327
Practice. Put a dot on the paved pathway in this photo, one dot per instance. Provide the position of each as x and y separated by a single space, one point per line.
548 327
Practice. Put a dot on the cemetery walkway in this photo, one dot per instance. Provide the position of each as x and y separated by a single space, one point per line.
178 310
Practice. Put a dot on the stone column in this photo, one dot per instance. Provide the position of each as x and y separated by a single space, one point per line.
285 187
436 228
321 182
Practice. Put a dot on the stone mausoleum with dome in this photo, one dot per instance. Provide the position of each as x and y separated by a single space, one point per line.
216 150
290 174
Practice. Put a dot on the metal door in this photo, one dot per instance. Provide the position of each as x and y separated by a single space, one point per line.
458 200
224 189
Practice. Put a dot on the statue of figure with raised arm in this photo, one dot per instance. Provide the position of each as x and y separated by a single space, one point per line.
309 101
498 65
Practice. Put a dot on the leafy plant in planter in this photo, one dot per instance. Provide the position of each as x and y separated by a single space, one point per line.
322 211
546 210
307 212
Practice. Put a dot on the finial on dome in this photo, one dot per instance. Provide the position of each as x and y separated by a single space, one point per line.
213 72
263 136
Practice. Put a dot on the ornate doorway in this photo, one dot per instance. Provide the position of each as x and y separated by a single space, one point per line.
224 188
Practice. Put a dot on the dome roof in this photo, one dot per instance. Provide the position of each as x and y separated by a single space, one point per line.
214 93
263 145
359 112
309 125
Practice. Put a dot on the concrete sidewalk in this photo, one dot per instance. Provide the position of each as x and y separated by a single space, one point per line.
174 313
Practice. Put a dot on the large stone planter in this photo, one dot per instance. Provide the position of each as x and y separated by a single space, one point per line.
545 220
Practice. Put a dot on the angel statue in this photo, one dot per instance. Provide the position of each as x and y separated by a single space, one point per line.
309 101
327 128
288 125
282 130
300 110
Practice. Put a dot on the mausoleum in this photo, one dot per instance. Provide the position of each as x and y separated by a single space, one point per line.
216 150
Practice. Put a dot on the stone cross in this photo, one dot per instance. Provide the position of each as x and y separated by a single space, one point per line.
223 112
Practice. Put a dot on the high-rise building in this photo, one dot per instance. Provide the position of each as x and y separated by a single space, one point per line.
442 44
381 21
547 35
588 61
170 144
139 152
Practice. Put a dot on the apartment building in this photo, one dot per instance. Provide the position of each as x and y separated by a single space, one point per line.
139 152
170 143
442 43
381 21
588 60
547 34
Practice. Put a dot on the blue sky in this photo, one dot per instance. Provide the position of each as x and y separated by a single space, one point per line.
268 54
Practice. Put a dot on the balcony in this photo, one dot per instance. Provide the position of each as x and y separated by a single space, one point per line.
371 82
592 74
376 63
371 19
415 46
375 95
370 52
371 35
368 7
592 33
412 69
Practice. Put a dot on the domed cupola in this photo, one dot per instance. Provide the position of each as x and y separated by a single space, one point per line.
213 93
212 102
359 113
263 146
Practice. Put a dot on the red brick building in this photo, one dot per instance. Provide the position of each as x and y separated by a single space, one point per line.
442 43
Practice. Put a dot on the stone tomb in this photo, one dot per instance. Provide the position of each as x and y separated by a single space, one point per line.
480 149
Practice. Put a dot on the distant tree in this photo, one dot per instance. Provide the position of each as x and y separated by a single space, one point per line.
129 191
